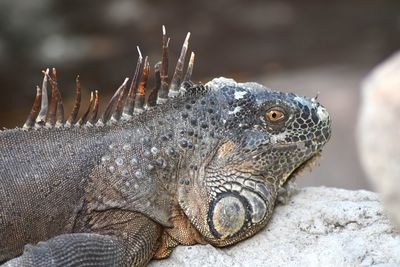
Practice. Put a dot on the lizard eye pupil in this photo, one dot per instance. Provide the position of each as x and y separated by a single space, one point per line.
274 115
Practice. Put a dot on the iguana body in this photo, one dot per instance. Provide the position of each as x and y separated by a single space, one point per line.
203 167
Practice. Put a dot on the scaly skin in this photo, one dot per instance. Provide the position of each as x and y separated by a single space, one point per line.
204 167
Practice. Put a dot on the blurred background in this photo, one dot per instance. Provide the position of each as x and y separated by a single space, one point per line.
300 46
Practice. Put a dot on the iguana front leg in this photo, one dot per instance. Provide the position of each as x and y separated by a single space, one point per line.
129 241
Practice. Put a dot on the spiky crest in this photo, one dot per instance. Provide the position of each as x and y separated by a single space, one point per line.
30 121
177 78
141 91
124 103
152 99
163 93
130 101
83 119
44 104
72 117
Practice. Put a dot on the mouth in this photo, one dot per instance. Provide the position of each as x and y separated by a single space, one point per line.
306 165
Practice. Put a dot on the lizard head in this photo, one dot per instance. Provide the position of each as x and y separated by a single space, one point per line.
262 138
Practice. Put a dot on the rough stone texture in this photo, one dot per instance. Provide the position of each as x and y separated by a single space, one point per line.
379 132
319 227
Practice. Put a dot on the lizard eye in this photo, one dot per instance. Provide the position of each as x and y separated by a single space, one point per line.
274 115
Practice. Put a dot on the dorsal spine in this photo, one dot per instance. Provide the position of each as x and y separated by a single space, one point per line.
124 102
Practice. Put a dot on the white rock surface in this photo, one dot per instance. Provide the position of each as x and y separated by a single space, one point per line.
319 227
379 132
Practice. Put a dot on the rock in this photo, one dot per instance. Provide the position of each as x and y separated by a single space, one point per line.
319 227
379 132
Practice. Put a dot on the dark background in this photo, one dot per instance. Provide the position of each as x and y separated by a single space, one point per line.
302 46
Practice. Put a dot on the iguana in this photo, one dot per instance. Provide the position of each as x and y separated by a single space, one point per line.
183 163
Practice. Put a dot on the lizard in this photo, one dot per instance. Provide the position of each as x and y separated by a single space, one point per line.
181 163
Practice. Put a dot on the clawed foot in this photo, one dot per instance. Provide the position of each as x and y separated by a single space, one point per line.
287 191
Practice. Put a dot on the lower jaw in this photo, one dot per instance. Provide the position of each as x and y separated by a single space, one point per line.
308 164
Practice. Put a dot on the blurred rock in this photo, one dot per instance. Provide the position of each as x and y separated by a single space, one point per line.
379 132
319 227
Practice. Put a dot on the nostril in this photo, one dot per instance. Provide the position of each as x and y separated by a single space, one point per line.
322 113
